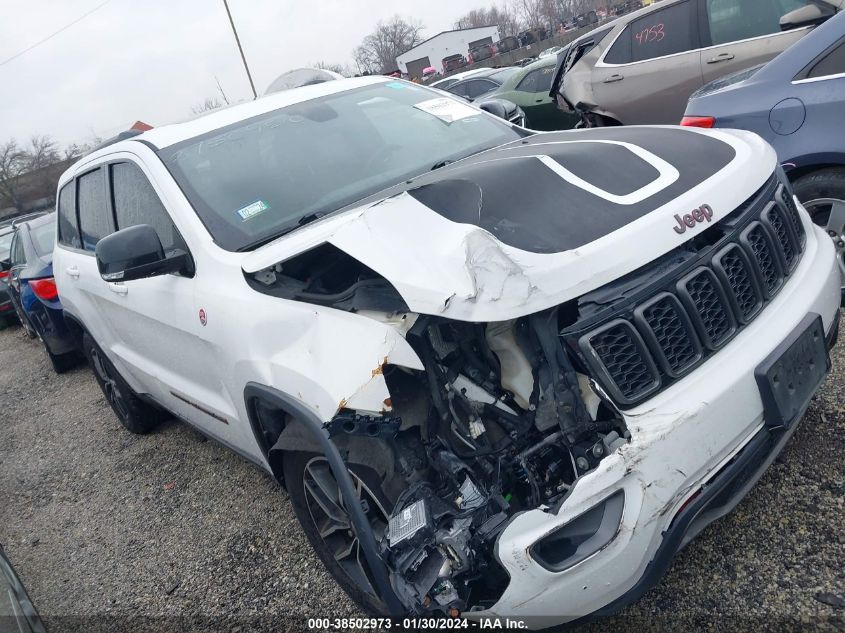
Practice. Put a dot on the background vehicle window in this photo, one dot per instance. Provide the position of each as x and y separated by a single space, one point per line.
734 20
95 221
539 80
477 87
6 245
18 255
135 202
831 64
665 32
43 238
68 226
459 89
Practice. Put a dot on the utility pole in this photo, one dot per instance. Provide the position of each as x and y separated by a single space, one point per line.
240 48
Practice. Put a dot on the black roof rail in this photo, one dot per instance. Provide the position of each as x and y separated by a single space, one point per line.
122 136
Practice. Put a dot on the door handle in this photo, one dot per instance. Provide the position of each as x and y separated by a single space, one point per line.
721 57
73 271
614 77
119 289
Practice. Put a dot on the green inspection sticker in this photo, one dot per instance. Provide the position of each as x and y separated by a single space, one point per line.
253 209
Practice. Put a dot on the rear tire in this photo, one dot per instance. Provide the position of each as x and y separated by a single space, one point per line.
823 195
308 473
134 414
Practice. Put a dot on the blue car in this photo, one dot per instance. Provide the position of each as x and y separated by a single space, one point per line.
33 290
797 103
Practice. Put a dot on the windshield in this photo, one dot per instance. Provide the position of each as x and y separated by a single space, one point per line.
259 178
505 73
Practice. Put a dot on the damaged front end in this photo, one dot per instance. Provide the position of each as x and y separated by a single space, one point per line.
501 419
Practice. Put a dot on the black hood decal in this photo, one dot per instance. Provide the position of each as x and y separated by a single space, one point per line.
516 193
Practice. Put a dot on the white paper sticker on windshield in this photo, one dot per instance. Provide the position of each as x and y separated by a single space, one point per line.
446 109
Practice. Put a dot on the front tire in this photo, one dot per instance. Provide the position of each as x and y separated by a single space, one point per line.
823 195
316 500
134 414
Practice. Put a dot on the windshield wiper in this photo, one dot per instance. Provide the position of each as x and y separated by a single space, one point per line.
284 230
441 163
449 161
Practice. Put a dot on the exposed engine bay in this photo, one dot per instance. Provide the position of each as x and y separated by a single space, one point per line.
501 422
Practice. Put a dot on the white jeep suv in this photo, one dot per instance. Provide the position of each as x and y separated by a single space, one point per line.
499 373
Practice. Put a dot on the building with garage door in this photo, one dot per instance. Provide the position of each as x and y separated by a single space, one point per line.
432 51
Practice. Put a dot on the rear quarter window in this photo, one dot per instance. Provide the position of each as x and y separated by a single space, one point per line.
665 32
68 225
832 63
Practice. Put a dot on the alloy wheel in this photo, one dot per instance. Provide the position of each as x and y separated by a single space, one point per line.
829 213
333 523
111 388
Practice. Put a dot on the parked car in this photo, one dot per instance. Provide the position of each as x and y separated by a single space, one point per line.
7 310
17 613
796 102
481 52
491 367
550 52
506 44
481 83
444 83
585 19
453 62
32 290
529 89
642 67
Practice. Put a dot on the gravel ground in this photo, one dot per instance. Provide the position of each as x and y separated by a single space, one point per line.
111 531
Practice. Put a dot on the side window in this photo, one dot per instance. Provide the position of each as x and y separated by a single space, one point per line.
68 226
734 20
833 63
665 32
539 80
478 87
18 255
95 219
135 202
459 89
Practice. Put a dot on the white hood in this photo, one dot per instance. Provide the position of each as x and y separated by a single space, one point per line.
598 204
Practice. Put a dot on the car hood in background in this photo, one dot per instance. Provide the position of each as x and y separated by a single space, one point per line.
537 222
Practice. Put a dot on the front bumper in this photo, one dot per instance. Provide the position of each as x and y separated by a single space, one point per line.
696 449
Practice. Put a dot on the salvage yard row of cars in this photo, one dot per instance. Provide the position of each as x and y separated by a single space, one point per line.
466 349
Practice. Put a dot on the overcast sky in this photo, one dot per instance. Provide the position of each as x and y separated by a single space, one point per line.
154 59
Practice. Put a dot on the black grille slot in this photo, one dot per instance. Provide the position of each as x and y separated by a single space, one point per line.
757 241
734 269
783 237
668 329
708 306
792 213
625 360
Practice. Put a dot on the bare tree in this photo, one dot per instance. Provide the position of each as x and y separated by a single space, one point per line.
13 165
340 69
210 103
16 162
378 52
502 17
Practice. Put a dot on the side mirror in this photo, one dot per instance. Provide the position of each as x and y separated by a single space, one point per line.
503 109
807 15
5 265
136 253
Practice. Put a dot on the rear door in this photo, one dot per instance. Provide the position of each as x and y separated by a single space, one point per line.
738 34
651 68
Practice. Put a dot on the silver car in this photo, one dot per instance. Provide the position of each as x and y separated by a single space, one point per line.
642 68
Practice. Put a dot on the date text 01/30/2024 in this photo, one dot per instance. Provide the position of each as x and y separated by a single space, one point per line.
435 624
